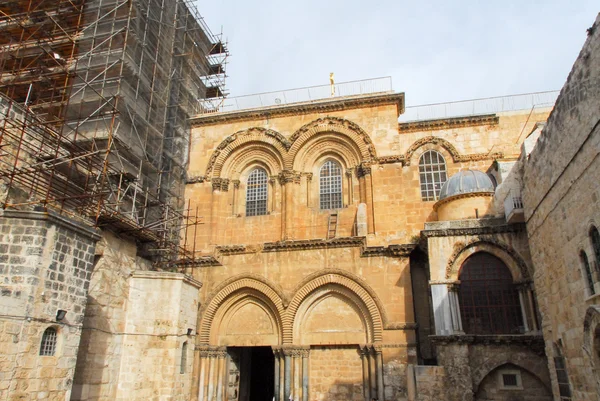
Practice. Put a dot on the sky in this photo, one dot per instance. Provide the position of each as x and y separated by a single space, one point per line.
435 51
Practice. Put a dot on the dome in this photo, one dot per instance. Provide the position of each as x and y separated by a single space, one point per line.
466 181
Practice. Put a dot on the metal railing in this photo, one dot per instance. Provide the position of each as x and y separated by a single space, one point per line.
473 107
307 94
512 202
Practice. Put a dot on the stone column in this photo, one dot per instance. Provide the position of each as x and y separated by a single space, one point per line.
211 376
364 356
277 376
364 171
287 178
234 203
305 354
379 371
273 194
372 373
287 376
349 192
221 354
309 178
453 289
203 354
527 307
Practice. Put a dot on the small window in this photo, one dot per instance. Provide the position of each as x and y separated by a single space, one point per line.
595 236
510 379
48 345
330 186
183 362
432 174
564 388
587 271
256 193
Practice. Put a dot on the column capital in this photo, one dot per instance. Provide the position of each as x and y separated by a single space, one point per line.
287 176
363 169
220 184
295 350
236 184
212 351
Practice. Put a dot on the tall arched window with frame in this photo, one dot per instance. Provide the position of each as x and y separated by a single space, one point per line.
595 237
489 301
432 174
587 271
256 193
330 186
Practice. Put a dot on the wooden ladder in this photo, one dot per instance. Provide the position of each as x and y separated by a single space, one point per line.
332 226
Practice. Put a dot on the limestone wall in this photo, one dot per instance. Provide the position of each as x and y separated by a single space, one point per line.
386 177
46 263
100 356
561 204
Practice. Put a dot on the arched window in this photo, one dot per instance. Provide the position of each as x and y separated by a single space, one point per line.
587 271
256 193
183 362
330 186
489 302
595 236
48 344
432 174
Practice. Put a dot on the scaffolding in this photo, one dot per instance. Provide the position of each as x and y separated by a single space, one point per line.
95 100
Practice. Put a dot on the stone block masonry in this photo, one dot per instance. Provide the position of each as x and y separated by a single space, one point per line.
46 263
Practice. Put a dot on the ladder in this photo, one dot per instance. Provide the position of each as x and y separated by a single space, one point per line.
332 225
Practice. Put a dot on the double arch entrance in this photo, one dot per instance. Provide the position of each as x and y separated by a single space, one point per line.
249 323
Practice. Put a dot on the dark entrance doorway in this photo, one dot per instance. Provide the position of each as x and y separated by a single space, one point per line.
251 373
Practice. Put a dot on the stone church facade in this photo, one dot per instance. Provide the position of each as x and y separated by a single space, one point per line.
336 261
341 255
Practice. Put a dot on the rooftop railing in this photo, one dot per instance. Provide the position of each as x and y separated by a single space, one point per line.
474 107
299 95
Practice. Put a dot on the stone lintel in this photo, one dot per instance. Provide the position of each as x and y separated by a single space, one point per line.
162 275
76 226
317 106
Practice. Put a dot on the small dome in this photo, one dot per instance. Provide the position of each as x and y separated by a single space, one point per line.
466 181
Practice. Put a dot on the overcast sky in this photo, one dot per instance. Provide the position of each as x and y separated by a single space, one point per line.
435 51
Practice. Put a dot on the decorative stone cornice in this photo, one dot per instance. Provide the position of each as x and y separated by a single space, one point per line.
195 179
203 261
299 245
448 123
481 230
401 326
220 184
391 159
396 250
319 106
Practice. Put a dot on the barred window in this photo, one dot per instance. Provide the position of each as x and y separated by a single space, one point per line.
489 302
256 193
183 362
587 271
48 344
432 174
330 186
595 236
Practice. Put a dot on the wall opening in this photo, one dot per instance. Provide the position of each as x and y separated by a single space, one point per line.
251 373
